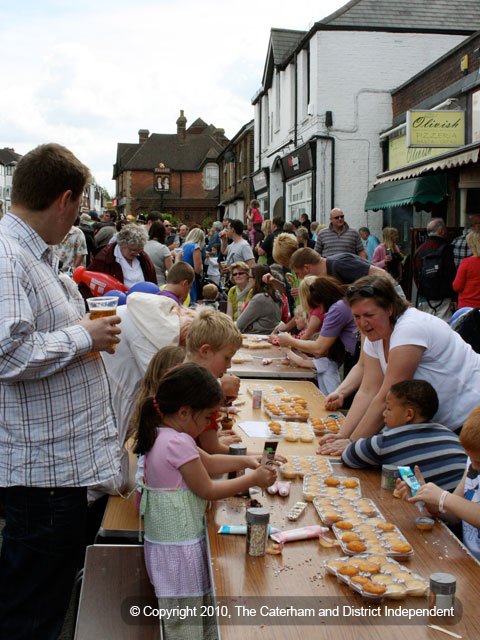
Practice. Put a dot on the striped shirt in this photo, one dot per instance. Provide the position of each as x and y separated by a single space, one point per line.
57 427
329 242
433 447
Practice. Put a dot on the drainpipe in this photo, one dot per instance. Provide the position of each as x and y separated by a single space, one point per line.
296 102
319 136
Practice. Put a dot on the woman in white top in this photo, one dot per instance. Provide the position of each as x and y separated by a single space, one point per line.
402 343
158 251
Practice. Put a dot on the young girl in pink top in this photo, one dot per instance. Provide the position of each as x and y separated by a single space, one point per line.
177 488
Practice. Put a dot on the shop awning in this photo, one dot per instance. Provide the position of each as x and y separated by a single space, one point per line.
467 155
413 191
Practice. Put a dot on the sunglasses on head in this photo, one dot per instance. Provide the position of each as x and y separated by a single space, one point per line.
338 217
366 290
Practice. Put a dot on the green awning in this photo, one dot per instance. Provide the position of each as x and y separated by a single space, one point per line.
412 191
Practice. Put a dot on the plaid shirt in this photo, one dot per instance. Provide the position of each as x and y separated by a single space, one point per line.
460 250
57 427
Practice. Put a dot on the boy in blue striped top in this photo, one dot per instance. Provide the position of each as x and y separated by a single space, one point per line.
409 438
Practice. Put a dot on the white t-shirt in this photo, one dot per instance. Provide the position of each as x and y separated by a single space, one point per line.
239 251
450 365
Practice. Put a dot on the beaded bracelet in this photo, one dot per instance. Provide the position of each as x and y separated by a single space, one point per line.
441 501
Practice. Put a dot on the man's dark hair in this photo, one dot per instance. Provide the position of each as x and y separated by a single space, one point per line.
46 172
155 215
418 394
278 221
237 226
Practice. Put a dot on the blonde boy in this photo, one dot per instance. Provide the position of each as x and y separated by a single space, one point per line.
212 341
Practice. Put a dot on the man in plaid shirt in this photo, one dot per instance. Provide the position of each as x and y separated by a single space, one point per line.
58 433
459 245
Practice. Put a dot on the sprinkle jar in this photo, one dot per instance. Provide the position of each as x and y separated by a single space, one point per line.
257 530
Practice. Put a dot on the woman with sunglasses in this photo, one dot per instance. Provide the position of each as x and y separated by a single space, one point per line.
402 343
241 292
264 311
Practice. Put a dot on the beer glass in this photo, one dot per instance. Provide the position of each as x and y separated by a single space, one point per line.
102 307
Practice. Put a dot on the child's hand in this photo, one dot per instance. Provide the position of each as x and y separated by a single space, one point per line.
430 493
328 437
284 339
265 476
229 437
402 489
334 400
278 328
267 278
230 386
252 462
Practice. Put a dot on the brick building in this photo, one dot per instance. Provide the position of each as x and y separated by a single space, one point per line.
235 169
172 173
419 182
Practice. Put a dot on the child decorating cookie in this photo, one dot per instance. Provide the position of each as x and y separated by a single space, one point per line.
177 488
410 438
464 503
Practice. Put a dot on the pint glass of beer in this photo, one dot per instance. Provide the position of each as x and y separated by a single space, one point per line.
102 307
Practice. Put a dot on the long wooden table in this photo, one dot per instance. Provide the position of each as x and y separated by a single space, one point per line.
255 369
298 578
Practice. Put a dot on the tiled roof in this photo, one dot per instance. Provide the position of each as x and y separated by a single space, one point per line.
434 15
283 42
187 155
8 156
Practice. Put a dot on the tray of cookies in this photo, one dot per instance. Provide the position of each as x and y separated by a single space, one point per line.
356 511
300 466
376 577
285 407
330 486
240 358
372 537
292 431
330 424
253 341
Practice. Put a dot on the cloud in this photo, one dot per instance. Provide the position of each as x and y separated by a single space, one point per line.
91 74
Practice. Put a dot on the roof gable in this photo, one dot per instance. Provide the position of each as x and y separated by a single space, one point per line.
282 44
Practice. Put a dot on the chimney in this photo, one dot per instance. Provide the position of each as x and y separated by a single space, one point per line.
181 126
143 135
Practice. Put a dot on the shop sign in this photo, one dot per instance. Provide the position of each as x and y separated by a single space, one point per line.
260 181
161 178
435 128
399 155
476 116
297 162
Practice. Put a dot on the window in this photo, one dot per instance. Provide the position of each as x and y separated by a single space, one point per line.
211 176
299 197
9 169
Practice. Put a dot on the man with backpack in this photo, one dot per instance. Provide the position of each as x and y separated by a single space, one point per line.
434 272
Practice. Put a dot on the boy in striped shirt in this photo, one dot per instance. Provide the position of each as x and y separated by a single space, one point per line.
409 438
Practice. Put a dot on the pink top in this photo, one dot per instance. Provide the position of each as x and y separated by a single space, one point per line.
171 450
257 217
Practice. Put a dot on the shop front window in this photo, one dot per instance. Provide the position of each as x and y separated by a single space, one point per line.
299 198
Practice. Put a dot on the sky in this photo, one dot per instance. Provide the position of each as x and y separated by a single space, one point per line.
91 73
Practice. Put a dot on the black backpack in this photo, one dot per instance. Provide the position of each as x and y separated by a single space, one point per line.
433 283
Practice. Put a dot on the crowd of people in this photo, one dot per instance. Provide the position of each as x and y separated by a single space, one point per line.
75 389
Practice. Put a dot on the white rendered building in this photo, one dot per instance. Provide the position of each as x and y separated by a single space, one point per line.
325 98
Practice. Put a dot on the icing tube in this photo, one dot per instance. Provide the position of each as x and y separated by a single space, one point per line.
241 529
410 479
303 533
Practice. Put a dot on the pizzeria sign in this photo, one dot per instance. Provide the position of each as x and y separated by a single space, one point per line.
435 128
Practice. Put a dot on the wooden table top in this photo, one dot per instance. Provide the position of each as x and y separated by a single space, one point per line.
297 577
255 369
